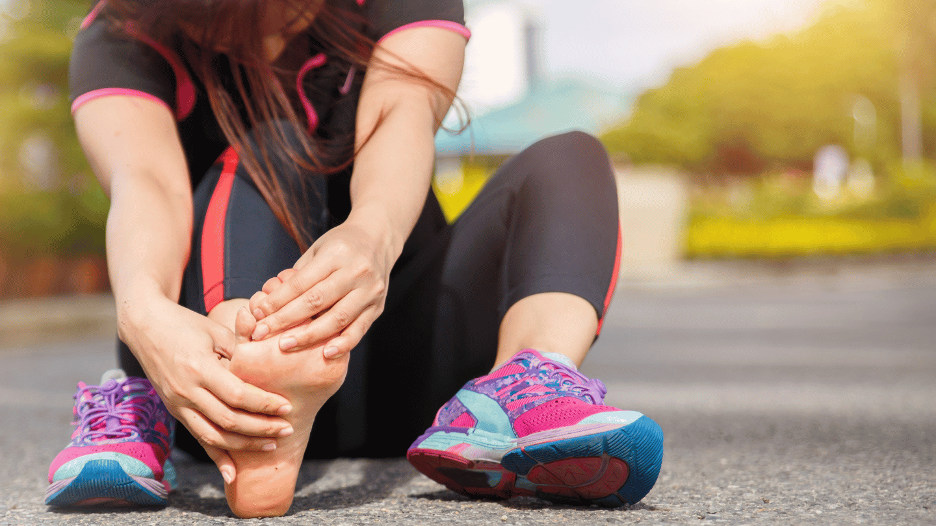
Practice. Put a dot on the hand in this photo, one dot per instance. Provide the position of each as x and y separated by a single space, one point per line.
341 282
183 354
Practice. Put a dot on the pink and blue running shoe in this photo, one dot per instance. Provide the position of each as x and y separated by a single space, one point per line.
537 427
119 452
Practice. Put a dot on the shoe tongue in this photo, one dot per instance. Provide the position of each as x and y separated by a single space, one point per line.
561 358
113 374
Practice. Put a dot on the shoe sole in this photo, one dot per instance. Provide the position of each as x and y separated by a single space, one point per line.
610 468
613 468
105 483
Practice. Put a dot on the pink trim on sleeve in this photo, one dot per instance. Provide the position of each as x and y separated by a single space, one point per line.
110 92
441 24
93 14
185 88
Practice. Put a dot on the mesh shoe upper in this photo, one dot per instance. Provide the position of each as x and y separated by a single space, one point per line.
121 416
529 393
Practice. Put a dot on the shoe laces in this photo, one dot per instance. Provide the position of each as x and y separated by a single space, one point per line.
567 379
114 410
558 378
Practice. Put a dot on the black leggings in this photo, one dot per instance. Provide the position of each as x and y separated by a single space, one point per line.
547 221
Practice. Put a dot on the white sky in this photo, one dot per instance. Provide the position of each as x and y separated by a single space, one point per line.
629 44
627 41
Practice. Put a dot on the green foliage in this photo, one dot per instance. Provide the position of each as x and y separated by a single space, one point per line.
52 223
779 216
753 106
61 211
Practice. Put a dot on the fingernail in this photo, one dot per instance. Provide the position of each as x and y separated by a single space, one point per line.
258 314
331 351
285 410
287 343
261 331
226 475
286 432
270 446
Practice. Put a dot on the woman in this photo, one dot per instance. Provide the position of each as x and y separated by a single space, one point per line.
272 238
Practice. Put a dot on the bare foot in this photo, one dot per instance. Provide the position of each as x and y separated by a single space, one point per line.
266 481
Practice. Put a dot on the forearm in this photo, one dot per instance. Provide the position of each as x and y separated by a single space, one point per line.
393 171
148 239
134 150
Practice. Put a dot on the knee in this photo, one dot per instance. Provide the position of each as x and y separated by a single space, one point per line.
575 159
575 143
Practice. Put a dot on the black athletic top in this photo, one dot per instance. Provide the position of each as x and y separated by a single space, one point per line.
108 61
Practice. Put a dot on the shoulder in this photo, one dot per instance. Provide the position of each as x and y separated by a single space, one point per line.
388 16
114 59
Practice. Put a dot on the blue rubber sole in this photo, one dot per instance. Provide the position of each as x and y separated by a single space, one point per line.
639 445
103 482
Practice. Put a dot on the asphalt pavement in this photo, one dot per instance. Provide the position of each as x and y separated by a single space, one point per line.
786 397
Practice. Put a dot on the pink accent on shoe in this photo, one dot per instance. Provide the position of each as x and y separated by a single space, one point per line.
576 477
537 388
149 454
160 427
523 401
507 370
458 449
464 420
505 390
553 415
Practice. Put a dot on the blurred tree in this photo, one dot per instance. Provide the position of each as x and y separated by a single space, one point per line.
753 106
48 200
916 45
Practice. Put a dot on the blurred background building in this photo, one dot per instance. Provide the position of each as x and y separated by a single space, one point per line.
769 129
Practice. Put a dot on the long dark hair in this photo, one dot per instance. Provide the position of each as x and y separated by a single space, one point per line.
205 26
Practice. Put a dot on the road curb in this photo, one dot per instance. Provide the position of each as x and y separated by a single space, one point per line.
41 319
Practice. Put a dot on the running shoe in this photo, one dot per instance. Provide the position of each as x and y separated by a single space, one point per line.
119 452
537 427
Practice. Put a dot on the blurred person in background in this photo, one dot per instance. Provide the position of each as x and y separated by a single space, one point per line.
277 258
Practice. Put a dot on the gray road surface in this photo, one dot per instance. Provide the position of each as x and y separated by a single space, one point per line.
784 402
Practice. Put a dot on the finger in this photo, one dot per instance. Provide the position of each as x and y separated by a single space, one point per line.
222 338
238 421
239 394
209 434
294 286
314 301
329 324
225 464
350 337
286 274
271 285
244 325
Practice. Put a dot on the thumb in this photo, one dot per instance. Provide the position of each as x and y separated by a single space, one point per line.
223 339
244 325
224 462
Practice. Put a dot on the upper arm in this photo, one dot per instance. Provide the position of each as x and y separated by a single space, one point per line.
437 53
425 37
127 136
125 93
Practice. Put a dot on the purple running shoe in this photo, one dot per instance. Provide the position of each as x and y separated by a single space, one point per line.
537 426
119 452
